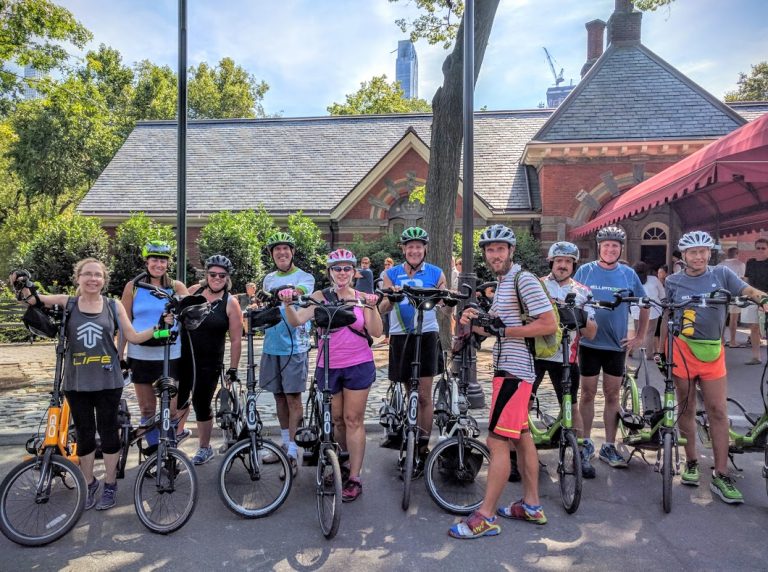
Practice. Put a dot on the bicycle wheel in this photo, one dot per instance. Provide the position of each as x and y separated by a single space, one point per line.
33 519
441 402
666 472
328 484
167 507
569 472
408 461
456 482
254 492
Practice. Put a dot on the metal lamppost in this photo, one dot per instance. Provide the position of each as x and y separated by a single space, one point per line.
181 135
474 393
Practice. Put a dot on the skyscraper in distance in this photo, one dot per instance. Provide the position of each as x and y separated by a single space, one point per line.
407 69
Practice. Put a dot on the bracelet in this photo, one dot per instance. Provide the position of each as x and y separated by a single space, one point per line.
764 300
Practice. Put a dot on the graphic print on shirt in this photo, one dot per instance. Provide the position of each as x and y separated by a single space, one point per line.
90 334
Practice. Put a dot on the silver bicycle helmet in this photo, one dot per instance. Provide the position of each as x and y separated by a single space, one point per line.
695 238
221 261
611 233
563 249
497 233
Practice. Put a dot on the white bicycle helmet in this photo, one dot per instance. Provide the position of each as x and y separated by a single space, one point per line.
695 238
340 255
497 233
563 249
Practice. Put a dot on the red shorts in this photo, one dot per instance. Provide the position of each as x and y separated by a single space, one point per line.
688 366
509 406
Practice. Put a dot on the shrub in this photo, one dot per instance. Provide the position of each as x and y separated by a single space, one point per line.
130 238
311 248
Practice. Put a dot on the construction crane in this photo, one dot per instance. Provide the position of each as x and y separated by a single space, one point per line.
558 77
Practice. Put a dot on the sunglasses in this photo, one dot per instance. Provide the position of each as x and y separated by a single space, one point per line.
342 268
217 274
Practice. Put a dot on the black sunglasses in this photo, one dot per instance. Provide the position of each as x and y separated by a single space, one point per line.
217 274
342 268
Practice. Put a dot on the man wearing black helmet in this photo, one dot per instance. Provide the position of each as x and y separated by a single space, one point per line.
415 271
607 350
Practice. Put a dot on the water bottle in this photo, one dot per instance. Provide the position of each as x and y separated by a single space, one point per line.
689 320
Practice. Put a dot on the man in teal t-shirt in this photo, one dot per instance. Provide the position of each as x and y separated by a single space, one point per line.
607 350
284 358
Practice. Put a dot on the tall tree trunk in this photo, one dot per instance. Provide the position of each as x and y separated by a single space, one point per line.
445 145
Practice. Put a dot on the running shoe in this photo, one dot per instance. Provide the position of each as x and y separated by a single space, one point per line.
609 454
475 526
722 486
691 474
108 497
587 470
589 448
521 511
93 490
352 490
203 455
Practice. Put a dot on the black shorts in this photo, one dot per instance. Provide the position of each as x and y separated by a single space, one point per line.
401 356
555 371
592 360
148 371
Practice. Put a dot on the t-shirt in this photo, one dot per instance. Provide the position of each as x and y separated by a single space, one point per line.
655 291
736 265
365 282
558 292
282 339
402 317
709 320
511 354
756 273
612 325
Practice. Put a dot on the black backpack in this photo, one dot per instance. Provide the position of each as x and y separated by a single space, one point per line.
331 297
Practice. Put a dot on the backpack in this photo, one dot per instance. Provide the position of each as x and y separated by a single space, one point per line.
541 347
331 297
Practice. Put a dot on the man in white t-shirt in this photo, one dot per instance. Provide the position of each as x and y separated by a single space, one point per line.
732 261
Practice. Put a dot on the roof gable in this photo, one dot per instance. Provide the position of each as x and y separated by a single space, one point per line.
632 94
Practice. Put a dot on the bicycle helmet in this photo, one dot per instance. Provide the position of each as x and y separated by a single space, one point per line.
611 233
563 249
39 323
497 233
221 261
693 239
156 248
193 310
414 233
340 255
279 238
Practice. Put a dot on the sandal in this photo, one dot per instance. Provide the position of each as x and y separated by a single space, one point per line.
753 361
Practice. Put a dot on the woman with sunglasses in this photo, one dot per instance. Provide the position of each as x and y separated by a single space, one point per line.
203 350
146 360
352 370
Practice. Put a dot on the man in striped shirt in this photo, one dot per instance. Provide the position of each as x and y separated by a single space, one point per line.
512 384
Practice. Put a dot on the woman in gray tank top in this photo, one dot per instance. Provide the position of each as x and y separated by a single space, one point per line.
93 382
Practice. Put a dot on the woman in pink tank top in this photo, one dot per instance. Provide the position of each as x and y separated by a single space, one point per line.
352 371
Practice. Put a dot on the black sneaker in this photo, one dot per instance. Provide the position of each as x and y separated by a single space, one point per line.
108 497
587 470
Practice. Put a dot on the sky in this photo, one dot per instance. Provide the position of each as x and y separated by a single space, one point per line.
314 52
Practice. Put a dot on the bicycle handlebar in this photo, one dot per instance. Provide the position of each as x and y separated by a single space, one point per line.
718 297
429 295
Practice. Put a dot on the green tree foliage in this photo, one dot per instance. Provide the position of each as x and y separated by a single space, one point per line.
311 248
752 87
478 261
226 91
528 254
378 249
234 236
437 23
376 97
155 92
130 238
31 33
651 5
51 253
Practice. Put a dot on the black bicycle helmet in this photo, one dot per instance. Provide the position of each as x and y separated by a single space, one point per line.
611 233
221 261
497 233
39 322
193 310
414 233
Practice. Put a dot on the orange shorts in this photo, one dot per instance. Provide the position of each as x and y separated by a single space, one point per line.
688 366
509 406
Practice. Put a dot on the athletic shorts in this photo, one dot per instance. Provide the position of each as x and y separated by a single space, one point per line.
360 376
401 356
751 315
284 374
509 405
555 371
148 371
592 360
688 366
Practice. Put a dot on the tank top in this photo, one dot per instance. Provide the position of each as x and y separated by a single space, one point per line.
146 312
209 338
91 359
347 348
402 317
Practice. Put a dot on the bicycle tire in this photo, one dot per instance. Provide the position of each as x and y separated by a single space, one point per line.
157 510
408 463
29 523
765 467
628 401
569 472
328 482
666 472
455 489
246 495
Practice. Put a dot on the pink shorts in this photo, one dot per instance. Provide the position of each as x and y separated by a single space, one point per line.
509 405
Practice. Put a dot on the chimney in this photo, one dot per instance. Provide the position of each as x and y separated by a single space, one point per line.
624 24
595 30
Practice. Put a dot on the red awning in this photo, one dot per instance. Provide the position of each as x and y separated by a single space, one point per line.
722 187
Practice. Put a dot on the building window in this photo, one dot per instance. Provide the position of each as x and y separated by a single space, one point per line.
654 233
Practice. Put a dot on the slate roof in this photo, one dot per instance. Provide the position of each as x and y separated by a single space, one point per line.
749 110
629 94
291 164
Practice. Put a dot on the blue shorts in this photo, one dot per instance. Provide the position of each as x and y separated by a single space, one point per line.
360 376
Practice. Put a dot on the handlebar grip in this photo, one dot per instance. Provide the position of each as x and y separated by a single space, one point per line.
146 286
161 334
